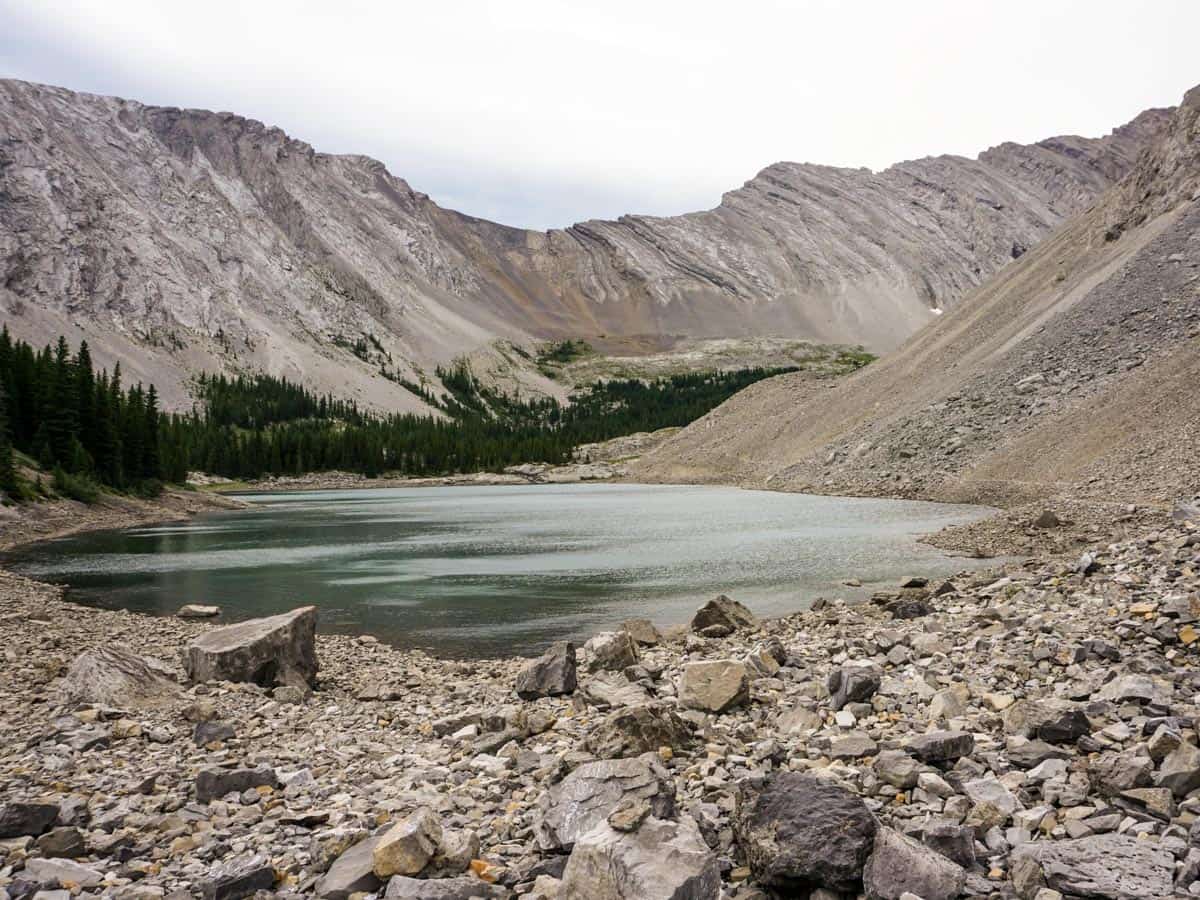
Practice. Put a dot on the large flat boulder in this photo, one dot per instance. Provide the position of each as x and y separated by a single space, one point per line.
272 651
799 833
591 792
660 860
113 676
1104 866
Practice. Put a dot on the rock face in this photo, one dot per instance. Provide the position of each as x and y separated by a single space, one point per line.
1105 866
799 834
116 677
898 865
714 685
589 794
337 247
275 650
550 675
660 860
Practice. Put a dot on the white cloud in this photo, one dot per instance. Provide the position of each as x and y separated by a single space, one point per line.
543 112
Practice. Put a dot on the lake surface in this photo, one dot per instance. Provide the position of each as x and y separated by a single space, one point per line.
484 571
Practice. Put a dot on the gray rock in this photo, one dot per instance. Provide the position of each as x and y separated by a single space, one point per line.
638 729
942 746
198 611
213 783
465 887
852 684
799 833
724 612
408 846
1112 866
956 842
20 819
611 690
714 685
239 878
1180 771
611 651
275 650
1117 772
112 676
62 871
642 631
660 860
898 769
1051 720
352 872
66 843
591 792
899 865
552 674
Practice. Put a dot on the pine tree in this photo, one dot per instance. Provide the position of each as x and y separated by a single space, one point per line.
8 469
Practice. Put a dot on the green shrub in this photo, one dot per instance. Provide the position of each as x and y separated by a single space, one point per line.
147 489
76 487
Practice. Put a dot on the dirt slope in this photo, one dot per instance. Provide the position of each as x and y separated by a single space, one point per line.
1075 371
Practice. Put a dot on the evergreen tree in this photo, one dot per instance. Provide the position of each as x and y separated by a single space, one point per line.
8 469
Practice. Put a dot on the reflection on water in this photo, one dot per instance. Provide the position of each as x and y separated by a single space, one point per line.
478 571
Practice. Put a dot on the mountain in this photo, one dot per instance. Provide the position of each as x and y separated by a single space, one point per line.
185 240
1073 372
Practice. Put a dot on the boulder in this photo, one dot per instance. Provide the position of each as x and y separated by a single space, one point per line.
714 685
351 873
723 612
591 792
113 676
897 768
62 871
213 783
899 865
1180 771
26 819
956 842
465 887
611 651
942 746
611 690
238 878
1051 720
275 650
799 833
642 631
660 860
852 684
65 843
198 611
638 729
550 675
408 846
993 803
1113 866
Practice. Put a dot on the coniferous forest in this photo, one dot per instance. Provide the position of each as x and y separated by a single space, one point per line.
89 429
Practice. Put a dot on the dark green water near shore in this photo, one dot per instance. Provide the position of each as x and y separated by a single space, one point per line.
483 571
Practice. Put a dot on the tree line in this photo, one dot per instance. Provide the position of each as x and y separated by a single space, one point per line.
80 423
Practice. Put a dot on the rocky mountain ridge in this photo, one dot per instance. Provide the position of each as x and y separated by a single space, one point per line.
1069 373
185 240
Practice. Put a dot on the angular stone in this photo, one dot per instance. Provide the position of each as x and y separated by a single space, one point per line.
21 819
642 631
942 746
64 871
351 873
213 783
589 794
898 865
955 842
993 803
852 745
275 650
64 843
1051 720
714 685
465 887
611 651
408 846
1116 772
1180 771
1112 866
1026 754
660 860
552 674
852 684
612 690
639 729
113 676
238 878
799 833
898 769
723 612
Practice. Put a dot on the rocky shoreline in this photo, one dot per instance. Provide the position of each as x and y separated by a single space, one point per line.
1027 732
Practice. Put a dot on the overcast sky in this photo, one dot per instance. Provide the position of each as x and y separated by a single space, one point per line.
545 112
